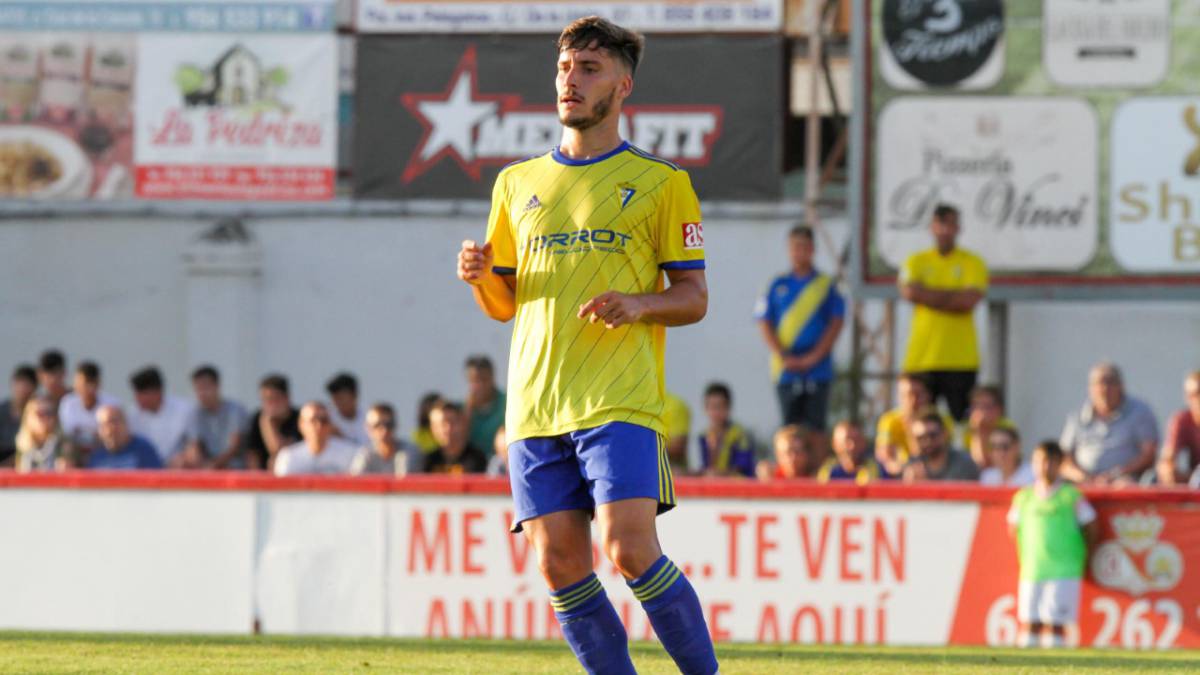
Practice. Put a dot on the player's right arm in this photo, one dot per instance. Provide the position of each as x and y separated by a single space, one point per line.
491 269
494 293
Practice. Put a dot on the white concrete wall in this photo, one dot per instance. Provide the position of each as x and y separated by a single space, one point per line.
115 560
378 296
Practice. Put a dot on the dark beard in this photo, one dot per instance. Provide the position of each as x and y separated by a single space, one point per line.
601 111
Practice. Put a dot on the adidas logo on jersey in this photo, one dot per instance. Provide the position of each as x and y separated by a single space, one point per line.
532 204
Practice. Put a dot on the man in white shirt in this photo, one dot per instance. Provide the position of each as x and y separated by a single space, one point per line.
77 410
349 420
320 452
160 418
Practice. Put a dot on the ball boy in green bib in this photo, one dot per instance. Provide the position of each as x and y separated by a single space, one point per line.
1054 526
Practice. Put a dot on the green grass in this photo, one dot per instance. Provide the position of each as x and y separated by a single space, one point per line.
91 653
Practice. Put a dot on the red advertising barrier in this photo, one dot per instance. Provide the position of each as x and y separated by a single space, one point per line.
780 562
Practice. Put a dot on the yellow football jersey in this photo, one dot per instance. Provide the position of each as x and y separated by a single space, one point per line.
570 230
943 340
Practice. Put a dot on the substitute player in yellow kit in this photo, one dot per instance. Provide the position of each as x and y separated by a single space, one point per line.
577 245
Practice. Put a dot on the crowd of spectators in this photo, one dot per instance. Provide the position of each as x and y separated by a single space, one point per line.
46 425
945 427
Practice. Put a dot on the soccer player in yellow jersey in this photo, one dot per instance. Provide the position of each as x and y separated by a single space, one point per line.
578 242
944 284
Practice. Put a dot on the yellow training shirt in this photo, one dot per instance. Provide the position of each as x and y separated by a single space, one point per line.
943 340
570 230
676 418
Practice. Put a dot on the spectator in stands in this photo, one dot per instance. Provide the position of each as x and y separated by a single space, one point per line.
77 410
1113 438
987 415
934 459
498 464
485 402
852 458
321 452
894 441
455 454
157 416
119 449
348 420
793 456
41 443
1005 466
944 283
21 387
275 424
385 454
422 435
216 426
726 449
1181 451
52 374
677 418
800 317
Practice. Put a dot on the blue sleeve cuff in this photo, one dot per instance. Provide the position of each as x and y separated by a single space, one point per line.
504 271
682 265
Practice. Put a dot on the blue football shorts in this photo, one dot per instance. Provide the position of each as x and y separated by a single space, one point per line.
581 469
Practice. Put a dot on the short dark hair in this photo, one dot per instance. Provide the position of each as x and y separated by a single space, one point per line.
1051 448
803 231
276 382
385 409
992 390
89 370
944 210
343 381
52 360
479 362
594 32
208 371
930 415
449 406
917 378
719 389
146 379
25 371
426 405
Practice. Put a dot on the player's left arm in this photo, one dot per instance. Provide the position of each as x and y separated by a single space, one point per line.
835 307
679 249
685 301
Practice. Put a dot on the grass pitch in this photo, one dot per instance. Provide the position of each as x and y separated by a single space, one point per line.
91 653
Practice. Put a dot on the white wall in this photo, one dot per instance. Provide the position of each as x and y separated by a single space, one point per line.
127 561
378 296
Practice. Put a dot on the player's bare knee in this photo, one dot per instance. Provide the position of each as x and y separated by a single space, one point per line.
563 565
632 555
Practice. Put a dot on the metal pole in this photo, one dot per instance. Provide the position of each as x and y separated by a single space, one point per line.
812 149
997 356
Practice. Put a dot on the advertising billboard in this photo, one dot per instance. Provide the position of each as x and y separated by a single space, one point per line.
1064 132
445 127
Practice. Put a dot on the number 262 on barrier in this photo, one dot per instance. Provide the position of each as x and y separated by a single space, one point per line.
1145 624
